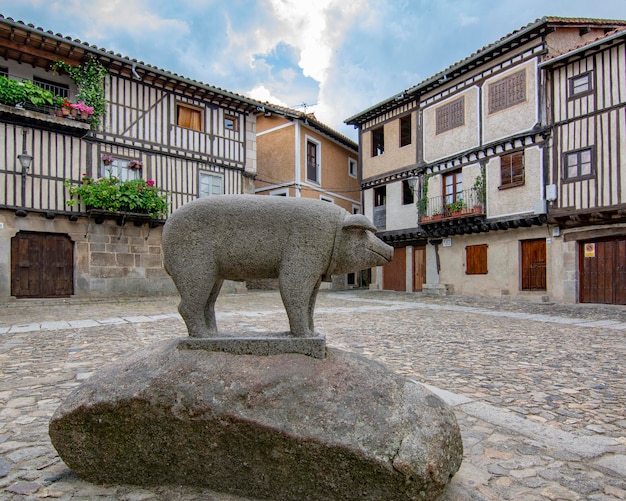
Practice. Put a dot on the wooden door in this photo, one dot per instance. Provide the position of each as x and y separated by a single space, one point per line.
534 265
602 270
394 274
419 268
42 265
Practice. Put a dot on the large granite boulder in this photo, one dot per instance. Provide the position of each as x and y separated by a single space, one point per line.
280 427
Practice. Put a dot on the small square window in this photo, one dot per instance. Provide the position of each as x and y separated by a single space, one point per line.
210 184
189 117
580 85
230 123
450 116
578 164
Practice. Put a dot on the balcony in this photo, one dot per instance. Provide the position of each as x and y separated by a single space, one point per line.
436 209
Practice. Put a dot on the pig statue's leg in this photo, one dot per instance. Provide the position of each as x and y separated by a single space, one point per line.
209 308
298 290
312 300
195 296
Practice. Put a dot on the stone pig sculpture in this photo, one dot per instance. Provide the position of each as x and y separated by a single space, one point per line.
238 237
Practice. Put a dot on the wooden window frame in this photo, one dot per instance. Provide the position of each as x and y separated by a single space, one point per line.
457 194
508 165
571 85
193 109
406 124
579 163
378 141
507 92
317 160
234 120
450 115
476 259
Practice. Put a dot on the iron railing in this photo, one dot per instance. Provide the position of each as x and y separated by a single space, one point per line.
468 202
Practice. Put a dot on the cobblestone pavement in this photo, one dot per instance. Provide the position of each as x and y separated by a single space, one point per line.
538 389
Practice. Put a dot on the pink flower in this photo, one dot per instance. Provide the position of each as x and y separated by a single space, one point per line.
150 182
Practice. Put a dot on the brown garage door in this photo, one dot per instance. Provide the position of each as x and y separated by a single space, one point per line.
42 265
602 266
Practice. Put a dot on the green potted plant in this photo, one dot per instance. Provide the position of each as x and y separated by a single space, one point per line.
89 78
457 207
111 194
480 189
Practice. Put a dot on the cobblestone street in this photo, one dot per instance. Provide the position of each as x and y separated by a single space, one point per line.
538 389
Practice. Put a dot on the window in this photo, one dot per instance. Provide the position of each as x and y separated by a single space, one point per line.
326 199
380 196
56 88
313 161
578 164
230 123
507 92
407 193
450 115
119 168
210 184
189 117
453 187
4 71
378 141
512 169
580 85
351 167
476 259
405 131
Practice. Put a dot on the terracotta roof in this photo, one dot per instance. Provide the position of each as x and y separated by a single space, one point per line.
507 42
598 40
48 46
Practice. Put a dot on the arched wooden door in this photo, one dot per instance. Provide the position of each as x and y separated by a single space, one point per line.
42 265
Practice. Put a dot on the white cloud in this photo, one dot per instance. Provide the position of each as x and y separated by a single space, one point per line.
263 94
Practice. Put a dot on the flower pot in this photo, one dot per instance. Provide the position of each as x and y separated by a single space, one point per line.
437 216
74 112
59 112
65 112
84 115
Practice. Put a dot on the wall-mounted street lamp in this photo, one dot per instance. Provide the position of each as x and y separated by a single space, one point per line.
25 161
412 182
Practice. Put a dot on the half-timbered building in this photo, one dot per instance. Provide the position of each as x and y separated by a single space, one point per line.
188 138
454 170
586 92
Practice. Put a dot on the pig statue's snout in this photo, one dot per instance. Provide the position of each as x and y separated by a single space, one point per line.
384 251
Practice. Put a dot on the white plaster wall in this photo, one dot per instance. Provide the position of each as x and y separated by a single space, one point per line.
503 263
399 216
517 118
453 141
519 199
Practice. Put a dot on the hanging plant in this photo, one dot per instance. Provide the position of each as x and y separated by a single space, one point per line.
89 78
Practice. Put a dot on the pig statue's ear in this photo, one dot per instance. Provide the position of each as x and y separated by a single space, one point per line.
358 222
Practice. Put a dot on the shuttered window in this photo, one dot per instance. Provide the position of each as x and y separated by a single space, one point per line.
450 115
507 92
476 259
189 117
512 169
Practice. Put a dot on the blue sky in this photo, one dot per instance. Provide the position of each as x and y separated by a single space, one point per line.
337 57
